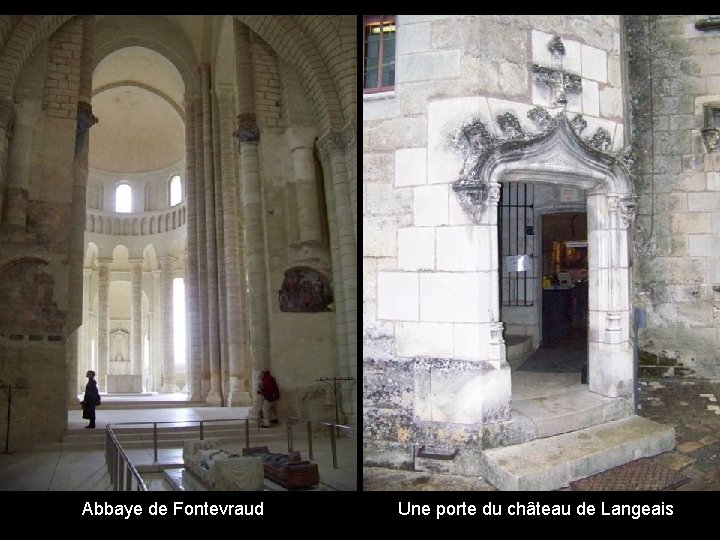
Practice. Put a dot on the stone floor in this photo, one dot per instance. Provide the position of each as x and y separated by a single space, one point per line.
690 406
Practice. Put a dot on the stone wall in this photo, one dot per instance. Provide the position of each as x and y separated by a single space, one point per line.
674 69
429 312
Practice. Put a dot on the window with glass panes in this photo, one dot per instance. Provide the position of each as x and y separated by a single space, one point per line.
379 53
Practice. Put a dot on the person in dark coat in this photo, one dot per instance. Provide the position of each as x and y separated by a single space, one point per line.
270 393
91 399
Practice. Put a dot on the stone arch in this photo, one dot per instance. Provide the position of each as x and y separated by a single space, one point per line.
290 42
117 32
22 42
560 156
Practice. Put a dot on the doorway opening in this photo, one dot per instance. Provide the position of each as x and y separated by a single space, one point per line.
564 284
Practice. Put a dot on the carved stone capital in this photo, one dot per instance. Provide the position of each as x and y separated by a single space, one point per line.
85 117
711 138
627 208
330 145
493 193
248 130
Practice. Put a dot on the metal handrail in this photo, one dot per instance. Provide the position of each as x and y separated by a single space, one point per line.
116 458
118 463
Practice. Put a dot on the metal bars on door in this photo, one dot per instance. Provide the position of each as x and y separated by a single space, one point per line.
516 230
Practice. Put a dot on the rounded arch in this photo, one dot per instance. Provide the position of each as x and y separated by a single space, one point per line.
116 32
123 196
22 42
290 42
91 254
150 261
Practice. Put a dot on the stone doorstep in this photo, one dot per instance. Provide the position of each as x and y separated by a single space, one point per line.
554 462
570 411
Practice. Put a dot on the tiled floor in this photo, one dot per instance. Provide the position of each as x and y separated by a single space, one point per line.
85 470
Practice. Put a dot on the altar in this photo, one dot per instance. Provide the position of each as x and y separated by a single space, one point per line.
123 384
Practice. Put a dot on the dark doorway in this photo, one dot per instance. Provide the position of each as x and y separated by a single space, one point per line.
564 295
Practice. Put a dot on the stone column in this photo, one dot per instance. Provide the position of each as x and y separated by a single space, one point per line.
192 290
156 336
18 165
168 335
7 120
248 136
301 142
214 397
238 385
136 316
332 150
85 352
103 317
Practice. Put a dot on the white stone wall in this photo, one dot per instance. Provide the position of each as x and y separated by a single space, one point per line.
426 270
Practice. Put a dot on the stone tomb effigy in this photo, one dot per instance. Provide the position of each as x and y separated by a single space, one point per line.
288 470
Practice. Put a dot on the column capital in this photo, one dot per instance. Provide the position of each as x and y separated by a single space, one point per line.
104 261
330 144
136 262
87 272
248 130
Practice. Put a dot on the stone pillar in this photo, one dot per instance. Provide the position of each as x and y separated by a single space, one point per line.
72 358
248 136
332 151
214 397
18 165
103 317
85 355
301 142
168 335
238 385
7 120
136 316
192 290
156 347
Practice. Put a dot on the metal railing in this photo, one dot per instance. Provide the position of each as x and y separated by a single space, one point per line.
334 429
122 472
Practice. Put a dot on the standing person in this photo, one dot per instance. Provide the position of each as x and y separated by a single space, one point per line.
270 393
91 399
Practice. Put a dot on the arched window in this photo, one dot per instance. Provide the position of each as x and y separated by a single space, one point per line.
123 198
175 190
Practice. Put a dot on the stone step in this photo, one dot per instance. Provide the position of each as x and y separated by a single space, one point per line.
517 346
562 413
554 462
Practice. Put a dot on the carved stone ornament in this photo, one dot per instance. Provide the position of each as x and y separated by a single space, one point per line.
627 208
475 143
578 124
248 130
600 140
85 117
711 137
510 126
541 118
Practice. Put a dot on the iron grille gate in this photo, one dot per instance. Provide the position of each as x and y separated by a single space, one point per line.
516 229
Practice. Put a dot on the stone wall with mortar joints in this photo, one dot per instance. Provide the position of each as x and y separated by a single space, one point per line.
267 84
301 344
63 70
292 45
40 413
672 73
448 69
439 57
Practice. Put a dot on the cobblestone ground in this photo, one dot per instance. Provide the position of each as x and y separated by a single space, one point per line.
690 406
